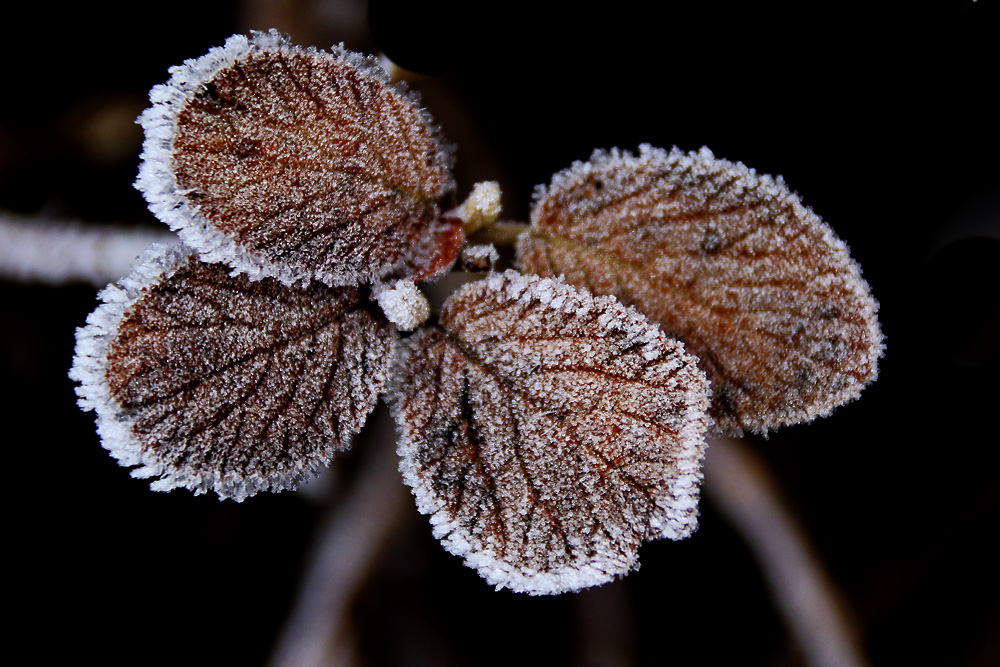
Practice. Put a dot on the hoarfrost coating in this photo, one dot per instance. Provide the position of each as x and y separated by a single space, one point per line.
211 382
548 425
548 432
403 304
294 163
725 259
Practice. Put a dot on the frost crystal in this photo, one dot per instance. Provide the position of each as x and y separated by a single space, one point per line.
548 432
730 262
482 207
403 304
294 163
215 383
480 257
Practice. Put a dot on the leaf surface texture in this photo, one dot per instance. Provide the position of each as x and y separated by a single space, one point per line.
296 163
548 432
726 260
216 383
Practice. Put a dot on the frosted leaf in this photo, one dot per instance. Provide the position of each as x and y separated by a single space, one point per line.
215 383
548 432
437 251
295 163
730 262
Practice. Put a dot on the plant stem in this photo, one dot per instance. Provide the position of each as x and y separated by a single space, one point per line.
347 543
499 233
605 626
739 484
55 253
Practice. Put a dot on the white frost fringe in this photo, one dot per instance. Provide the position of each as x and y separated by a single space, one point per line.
158 183
90 362
676 513
114 425
156 178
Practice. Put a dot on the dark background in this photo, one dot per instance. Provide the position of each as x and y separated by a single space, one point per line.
880 118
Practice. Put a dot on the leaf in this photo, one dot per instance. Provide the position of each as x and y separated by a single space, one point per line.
216 383
548 432
296 163
728 261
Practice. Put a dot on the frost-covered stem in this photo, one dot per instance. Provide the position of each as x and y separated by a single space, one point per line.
347 544
55 253
499 233
740 486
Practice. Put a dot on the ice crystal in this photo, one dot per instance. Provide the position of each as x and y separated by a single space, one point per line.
548 432
216 383
730 262
403 303
293 163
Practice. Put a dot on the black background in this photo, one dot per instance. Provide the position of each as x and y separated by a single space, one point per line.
879 117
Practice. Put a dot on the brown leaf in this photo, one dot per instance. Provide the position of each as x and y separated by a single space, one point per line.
548 432
730 262
439 250
296 163
216 383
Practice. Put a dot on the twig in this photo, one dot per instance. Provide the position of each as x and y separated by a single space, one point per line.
347 544
738 482
605 626
499 233
55 253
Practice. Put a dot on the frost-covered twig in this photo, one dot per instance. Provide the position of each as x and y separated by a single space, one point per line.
347 545
739 484
54 253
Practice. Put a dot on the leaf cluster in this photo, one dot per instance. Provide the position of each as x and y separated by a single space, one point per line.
552 418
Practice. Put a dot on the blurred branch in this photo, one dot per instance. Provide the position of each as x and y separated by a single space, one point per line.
741 487
499 233
56 253
347 545
605 626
